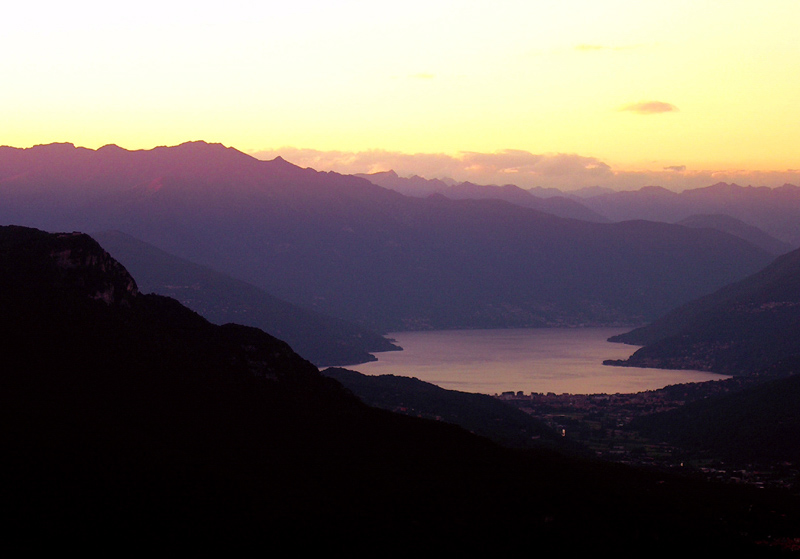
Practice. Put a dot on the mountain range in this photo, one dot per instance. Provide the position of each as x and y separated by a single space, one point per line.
559 205
346 248
747 329
747 212
774 210
132 424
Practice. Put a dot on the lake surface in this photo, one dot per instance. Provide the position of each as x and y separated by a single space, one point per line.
559 360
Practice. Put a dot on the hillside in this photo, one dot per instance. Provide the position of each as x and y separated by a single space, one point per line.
344 247
132 424
759 424
478 413
739 329
325 341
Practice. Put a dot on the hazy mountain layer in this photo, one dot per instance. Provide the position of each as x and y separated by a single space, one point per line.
347 248
418 186
737 227
739 329
775 210
222 299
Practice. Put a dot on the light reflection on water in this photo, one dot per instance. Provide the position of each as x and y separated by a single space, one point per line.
560 360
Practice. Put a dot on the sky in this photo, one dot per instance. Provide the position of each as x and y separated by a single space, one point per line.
566 93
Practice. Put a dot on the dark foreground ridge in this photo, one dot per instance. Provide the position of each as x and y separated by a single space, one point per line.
131 423
478 413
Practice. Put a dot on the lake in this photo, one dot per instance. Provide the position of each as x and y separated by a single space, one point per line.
559 360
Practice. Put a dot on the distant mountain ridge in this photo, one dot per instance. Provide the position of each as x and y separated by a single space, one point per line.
347 248
740 229
417 186
774 210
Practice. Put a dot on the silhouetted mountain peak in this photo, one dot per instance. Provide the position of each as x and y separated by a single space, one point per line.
513 188
205 154
280 163
56 154
723 187
657 191
279 167
203 143
199 146
111 148
55 147
390 174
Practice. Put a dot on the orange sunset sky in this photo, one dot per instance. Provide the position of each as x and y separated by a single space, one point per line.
565 93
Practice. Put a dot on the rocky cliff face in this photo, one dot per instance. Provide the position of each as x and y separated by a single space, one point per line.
93 269
71 264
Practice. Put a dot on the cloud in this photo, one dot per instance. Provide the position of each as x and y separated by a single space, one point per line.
596 48
649 107
566 171
590 48
530 169
510 166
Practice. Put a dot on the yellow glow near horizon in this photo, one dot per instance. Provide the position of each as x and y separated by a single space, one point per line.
434 76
